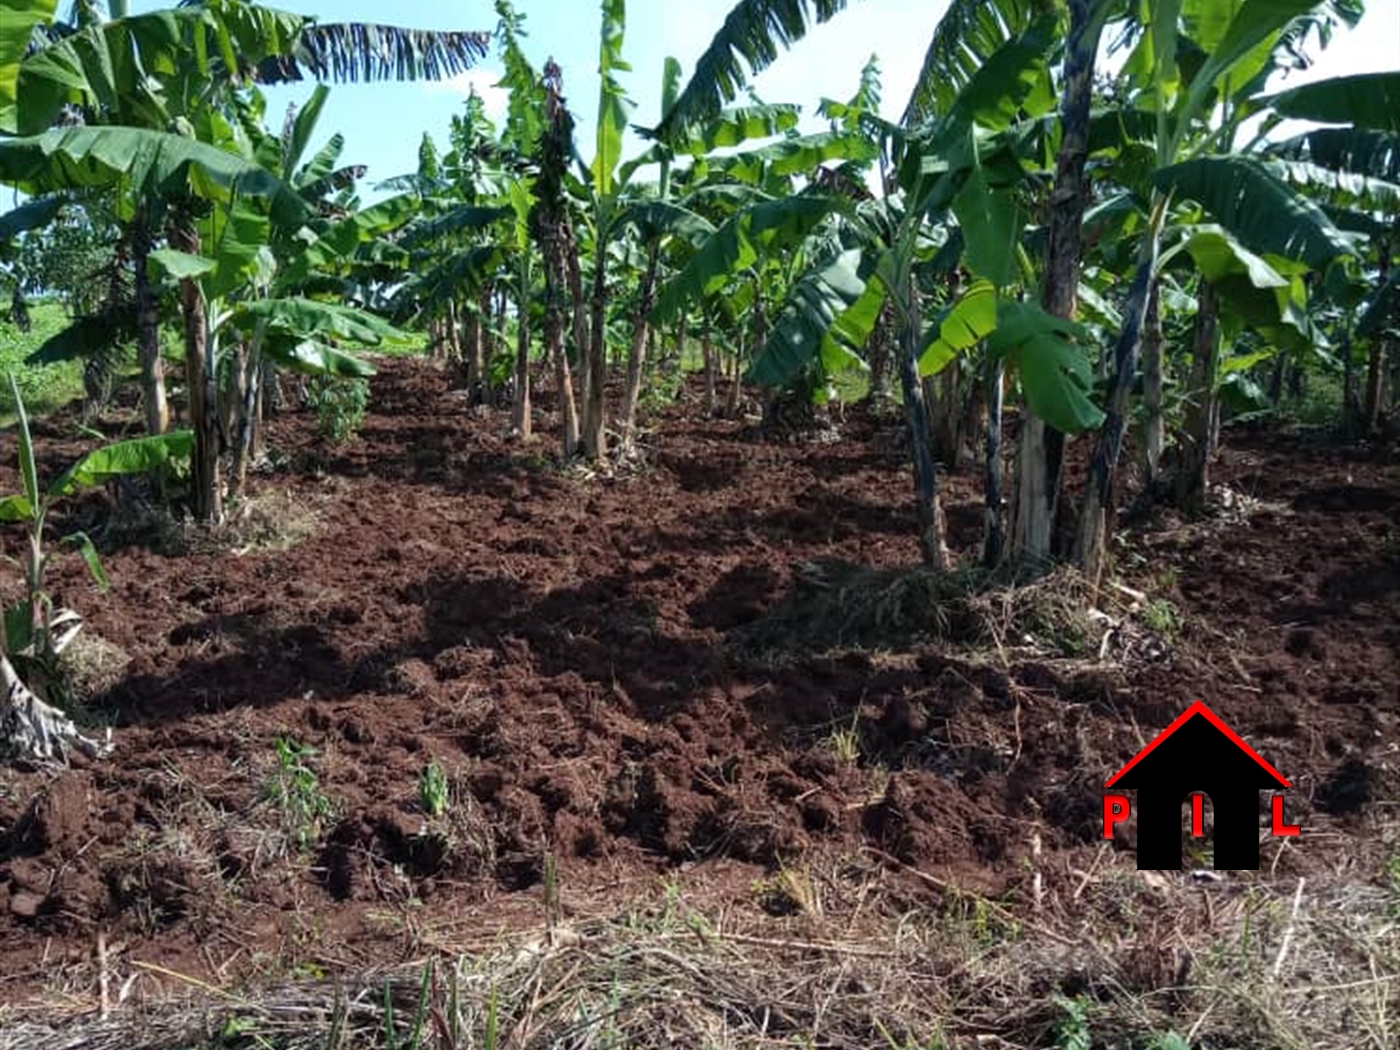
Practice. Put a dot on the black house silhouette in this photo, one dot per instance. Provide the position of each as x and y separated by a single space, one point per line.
1198 752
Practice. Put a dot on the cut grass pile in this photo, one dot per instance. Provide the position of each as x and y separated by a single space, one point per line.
1111 958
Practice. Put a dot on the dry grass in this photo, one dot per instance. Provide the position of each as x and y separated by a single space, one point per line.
834 604
90 666
1120 957
272 520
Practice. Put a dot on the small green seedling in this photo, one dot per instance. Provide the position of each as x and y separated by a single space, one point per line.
296 789
433 792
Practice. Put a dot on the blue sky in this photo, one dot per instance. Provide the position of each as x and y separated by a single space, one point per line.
383 123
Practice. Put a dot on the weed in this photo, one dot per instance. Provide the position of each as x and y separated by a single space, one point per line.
938 1042
1165 578
433 792
845 742
296 790
1072 1033
662 389
791 891
1163 617
340 405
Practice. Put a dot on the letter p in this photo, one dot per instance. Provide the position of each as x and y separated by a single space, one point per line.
1115 811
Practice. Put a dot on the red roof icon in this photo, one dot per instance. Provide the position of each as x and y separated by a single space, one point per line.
1199 708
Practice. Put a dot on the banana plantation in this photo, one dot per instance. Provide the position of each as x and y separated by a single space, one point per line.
688 583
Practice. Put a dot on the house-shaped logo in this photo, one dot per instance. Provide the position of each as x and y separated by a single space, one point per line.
1197 756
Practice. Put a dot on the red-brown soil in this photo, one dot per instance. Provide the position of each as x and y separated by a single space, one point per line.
572 651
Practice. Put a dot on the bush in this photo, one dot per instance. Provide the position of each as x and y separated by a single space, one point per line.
340 405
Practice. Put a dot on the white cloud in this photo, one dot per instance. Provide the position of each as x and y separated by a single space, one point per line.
497 99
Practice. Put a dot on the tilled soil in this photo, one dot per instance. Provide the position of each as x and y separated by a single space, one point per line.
575 652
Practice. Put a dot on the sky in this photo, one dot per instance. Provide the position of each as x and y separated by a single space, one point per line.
384 123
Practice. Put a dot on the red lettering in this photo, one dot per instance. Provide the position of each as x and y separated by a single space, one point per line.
1115 811
1280 828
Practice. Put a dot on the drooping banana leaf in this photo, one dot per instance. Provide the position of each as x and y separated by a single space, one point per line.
1049 354
464 219
137 456
312 357
1340 188
1271 302
1371 153
1364 100
83 157
752 35
180 264
768 226
967 36
31 215
795 156
960 327
1257 206
734 127
307 318
818 307
655 218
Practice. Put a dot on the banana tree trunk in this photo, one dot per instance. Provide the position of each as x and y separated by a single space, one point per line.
595 443
1349 403
1041 451
580 309
880 340
1097 513
995 548
1154 427
156 405
273 402
468 366
520 414
1277 379
641 335
35 729
231 393
1375 385
736 380
556 279
707 352
201 376
247 444
942 391
479 364
932 532
1193 478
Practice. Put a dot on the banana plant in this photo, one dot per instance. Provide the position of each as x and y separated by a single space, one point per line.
35 632
1352 172
1198 102
960 163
